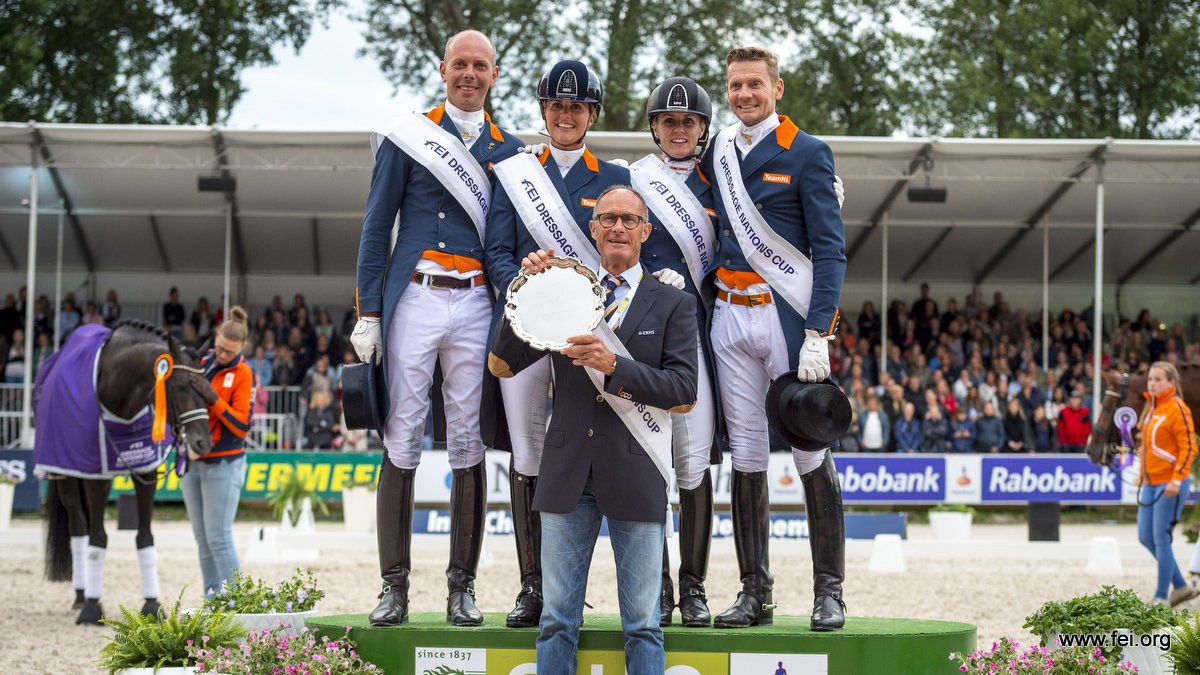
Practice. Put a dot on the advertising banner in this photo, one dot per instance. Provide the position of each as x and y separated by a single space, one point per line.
866 479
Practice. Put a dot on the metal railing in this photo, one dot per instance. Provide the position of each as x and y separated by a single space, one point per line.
276 428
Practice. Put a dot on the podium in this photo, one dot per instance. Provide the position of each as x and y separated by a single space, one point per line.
427 644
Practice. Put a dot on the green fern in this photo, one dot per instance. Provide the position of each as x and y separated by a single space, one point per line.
140 641
1185 647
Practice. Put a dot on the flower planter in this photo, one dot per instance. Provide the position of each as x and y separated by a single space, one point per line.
358 509
171 670
1149 660
950 525
293 621
305 523
6 504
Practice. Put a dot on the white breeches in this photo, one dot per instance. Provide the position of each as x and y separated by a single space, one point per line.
525 404
431 325
750 351
692 432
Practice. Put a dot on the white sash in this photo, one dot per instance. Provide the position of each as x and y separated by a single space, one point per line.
787 270
542 210
446 158
681 213
650 426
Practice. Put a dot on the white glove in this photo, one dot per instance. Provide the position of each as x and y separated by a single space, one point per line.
839 190
669 277
367 339
814 357
535 149
619 162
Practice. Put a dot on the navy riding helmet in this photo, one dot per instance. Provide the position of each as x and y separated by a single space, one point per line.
570 81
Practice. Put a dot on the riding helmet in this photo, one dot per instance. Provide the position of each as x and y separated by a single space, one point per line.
684 95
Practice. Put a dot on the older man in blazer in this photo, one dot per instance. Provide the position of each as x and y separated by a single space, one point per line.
592 465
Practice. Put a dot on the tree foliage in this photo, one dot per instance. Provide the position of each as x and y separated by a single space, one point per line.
166 61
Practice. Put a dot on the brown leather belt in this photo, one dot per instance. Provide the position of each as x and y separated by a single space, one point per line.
437 281
745 300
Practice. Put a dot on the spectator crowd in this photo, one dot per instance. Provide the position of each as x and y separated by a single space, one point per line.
955 379
971 378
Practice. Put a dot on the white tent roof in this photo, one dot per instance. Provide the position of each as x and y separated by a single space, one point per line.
300 196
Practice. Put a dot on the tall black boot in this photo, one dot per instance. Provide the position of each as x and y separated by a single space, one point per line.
393 518
827 537
751 521
695 538
527 526
468 508
666 597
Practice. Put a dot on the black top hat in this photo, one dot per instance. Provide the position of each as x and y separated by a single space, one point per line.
808 415
363 396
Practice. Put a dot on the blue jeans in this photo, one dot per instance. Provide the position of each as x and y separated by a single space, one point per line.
1157 515
211 492
568 540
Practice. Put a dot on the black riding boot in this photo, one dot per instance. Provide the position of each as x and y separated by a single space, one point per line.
666 598
827 537
695 537
527 526
393 517
468 509
751 520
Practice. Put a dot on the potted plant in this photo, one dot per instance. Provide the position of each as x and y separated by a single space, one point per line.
159 644
1006 656
1103 613
1184 654
8 487
255 605
293 504
358 506
951 522
274 650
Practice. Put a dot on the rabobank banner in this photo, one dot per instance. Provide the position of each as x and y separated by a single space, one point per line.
1060 478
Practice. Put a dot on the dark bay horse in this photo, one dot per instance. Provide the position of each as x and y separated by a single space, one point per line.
1128 389
125 380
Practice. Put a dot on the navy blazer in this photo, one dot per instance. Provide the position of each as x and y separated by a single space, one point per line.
430 218
586 438
789 177
508 241
661 251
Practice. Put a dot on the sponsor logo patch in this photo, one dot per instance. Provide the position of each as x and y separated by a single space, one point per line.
780 178
587 203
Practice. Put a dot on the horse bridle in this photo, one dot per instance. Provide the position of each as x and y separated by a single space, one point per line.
180 420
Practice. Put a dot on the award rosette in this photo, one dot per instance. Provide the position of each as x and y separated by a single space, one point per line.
545 309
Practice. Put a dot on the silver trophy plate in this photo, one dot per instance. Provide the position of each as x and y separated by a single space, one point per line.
547 308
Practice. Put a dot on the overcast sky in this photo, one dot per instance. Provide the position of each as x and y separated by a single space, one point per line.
324 87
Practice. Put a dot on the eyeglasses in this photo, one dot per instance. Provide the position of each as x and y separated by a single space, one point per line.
629 220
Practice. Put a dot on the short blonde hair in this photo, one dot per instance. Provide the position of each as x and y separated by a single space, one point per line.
752 53
234 328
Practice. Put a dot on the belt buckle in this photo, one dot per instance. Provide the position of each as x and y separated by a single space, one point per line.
756 300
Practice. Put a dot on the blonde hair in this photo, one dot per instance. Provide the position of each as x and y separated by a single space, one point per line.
1169 369
752 53
234 327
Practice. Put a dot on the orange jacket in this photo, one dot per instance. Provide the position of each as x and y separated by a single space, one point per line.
229 418
1168 438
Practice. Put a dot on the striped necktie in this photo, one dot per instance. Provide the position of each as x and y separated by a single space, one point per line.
611 284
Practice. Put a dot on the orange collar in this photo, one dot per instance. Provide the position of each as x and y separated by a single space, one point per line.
436 116
1169 392
589 159
786 132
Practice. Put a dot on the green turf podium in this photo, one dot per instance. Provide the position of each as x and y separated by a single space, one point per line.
426 645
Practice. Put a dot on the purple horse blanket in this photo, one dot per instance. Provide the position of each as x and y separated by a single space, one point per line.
75 435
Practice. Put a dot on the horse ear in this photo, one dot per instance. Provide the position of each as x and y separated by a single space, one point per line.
208 344
173 347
